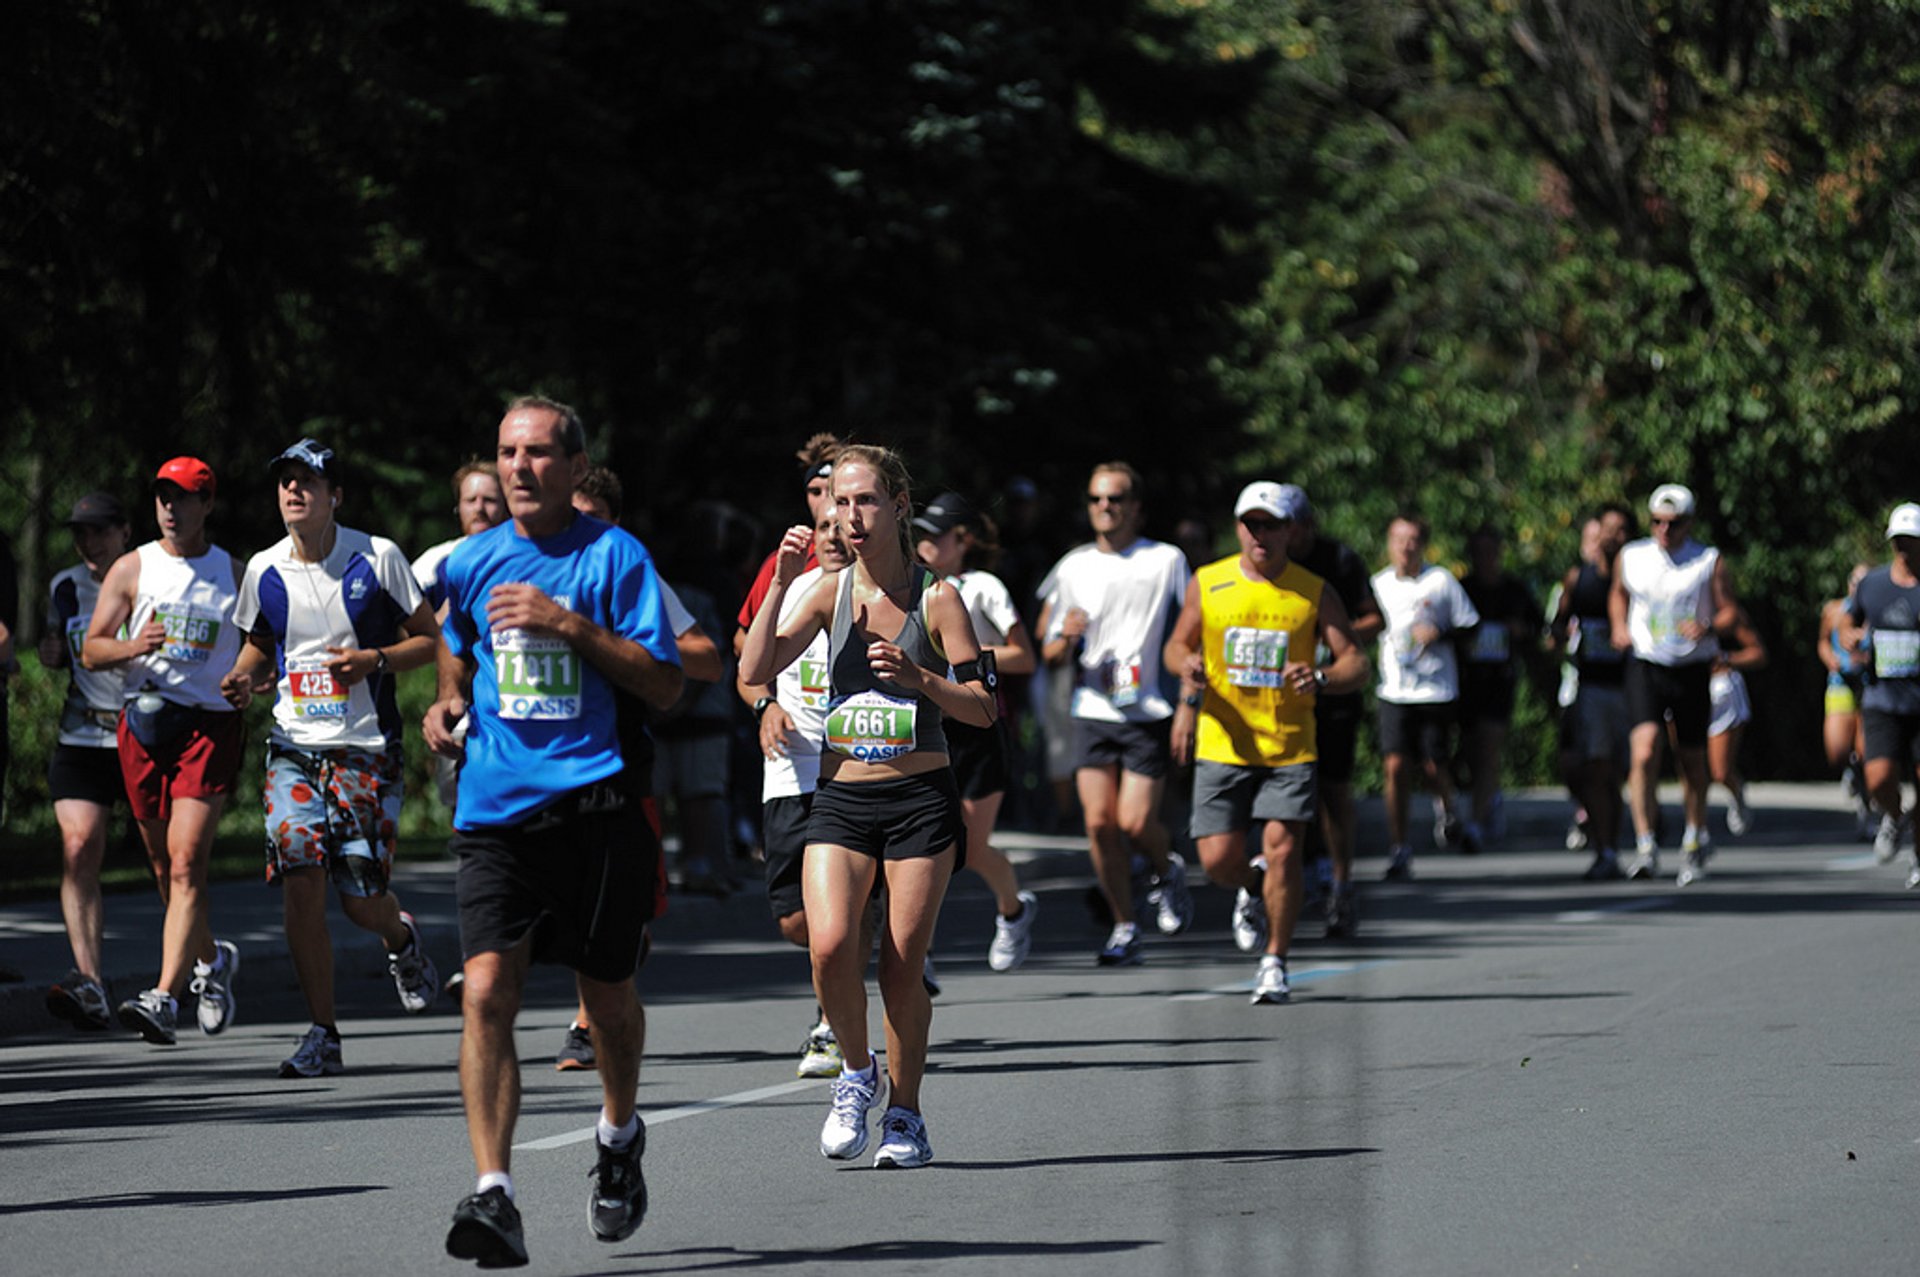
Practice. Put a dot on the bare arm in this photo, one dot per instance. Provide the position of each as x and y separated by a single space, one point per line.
252 671
1558 635
969 702
770 647
102 650
1617 610
700 657
455 675
1181 653
1348 672
1727 615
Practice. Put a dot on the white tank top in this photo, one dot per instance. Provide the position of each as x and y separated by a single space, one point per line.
194 599
1662 591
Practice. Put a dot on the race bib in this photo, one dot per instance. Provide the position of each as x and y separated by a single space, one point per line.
191 632
317 697
1490 643
1596 643
1663 622
813 683
872 726
1254 657
1896 653
76 636
1123 683
539 677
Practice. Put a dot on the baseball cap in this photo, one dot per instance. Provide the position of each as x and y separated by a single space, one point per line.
309 453
1265 496
1904 522
1293 500
97 510
945 512
1671 500
189 473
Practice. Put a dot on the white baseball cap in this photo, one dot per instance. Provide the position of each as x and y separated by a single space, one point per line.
1904 521
1264 496
1671 500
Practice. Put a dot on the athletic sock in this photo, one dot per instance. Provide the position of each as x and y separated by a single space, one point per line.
496 1179
617 1138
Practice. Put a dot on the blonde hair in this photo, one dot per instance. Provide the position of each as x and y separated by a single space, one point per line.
891 469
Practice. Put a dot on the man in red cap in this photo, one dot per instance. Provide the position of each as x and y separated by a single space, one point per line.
179 740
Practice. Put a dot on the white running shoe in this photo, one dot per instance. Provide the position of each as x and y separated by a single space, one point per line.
213 985
903 1141
821 1055
1270 983
1693 867
1886 842
1645 865
1913 872
1013 937
1739 815
844 1134
414 975
1173 901
1249 922
152 1015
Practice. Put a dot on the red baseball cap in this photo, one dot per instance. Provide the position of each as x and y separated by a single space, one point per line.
190 473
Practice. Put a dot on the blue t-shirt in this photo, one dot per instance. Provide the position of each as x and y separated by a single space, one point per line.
545 722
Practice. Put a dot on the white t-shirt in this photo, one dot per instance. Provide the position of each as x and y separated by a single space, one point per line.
801 689
1410 673
1663 590
71 597
356 598
989 607
1129 598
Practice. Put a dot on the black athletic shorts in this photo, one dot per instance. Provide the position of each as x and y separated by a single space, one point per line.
979 758
783 837
1336 731
1418 731
1889 735
910 818
88 773
1685 691
1486 694
580 878
1145 749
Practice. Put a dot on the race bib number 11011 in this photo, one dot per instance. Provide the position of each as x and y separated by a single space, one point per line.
539 678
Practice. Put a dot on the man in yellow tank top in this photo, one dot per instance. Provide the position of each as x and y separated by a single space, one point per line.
1244 647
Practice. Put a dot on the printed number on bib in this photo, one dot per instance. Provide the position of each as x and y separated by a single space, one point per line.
539 677
872 726
1896 653
813 683
1254 657
76 637
191 632
1490 643
317 695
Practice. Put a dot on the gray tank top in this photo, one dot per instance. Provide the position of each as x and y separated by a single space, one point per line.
867 718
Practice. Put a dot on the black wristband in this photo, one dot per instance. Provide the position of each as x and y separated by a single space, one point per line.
760 707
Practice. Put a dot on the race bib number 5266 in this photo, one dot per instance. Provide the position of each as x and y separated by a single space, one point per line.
538 677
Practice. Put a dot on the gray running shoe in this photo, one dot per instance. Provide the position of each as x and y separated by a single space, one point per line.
1913 872
1013 937
1645 866
1886 842
1343 914
318 1055
1270 983
844 1134
619 1199
903 1141
576 1050
1693 867
486 1229
153 1015
414 975
80 1000
929 978
213 985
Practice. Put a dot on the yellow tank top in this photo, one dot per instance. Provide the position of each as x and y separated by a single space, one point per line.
1249 630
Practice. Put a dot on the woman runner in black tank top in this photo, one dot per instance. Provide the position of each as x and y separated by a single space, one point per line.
885 767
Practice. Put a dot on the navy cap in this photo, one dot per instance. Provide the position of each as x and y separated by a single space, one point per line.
309 453
97 510
944 513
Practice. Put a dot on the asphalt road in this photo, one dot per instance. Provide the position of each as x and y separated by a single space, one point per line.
1510 1071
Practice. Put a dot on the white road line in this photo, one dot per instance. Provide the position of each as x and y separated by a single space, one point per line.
675 1114
1847 864
1293 977
1625 906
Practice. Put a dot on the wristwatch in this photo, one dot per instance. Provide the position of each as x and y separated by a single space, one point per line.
1192 700
380 660
760 707
1320 680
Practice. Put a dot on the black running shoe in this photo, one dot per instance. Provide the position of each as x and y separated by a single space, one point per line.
576 1050
486 1229
619 1200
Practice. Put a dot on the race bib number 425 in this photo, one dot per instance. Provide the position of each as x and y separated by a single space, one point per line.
316 694
872 726
539 678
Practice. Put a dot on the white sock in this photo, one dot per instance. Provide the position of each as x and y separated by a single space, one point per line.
871 1071
617 1137
496 1179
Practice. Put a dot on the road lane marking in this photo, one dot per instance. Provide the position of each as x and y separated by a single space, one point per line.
1847 864
1607 911
675 1114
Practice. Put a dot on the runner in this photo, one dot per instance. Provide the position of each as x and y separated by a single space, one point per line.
1424 607
887 809
1670 594
960 545
331 615
83 778
477 505
1336 715
1106 614
179 741
551 617
1840 728
1732 711
1883 634
1490 674
1597 724
1246 645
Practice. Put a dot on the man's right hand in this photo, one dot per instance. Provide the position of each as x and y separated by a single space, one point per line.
775 724
438 727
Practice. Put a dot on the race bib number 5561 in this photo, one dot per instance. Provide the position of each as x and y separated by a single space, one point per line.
538 677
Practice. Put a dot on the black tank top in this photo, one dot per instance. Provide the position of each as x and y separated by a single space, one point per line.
1598 661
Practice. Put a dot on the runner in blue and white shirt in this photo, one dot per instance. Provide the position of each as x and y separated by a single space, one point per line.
331 614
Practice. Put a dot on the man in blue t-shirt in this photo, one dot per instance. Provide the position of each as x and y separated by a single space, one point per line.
551 618
1883 633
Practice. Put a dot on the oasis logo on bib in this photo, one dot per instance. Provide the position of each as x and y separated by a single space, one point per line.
191 632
